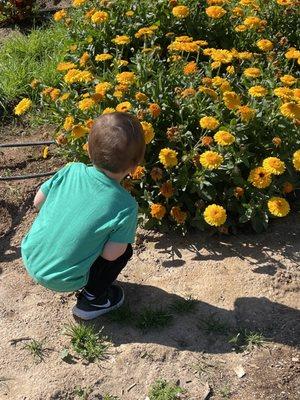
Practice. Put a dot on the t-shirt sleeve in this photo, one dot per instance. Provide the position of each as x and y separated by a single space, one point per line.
56 178
126 228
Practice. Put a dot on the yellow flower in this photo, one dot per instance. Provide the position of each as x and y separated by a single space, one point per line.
138 173
54 94
144 32
103 57
99 16
274 165
148 131
22 106
211 160
257 91
240 28
260 178
166 189
78 3
284 93
210 123
179 216
108 110
232 100
103 87
65 66
224 138
79 131
215 12
288 80
292 53
296 160
124 107
290 110
190 68
245 55
69 122
276 141
265 44
121 40
155 110
75 75
84 59
215 215
59 15
139 96
129 13
285 2
245 113
180 11
215 64
237 11
230 70
86 104
278 206
252 72
224 56
210 92
157 210
168 157
126 78
252 22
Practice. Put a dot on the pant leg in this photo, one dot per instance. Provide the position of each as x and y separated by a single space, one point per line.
104 272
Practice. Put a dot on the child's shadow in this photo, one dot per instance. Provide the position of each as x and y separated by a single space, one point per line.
206 328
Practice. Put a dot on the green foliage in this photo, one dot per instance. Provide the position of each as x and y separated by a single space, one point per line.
183 306
163 390
247 340
36 349
212 324
122 315
24 58
153 318
86 342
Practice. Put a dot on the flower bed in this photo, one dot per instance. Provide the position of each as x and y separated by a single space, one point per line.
216 88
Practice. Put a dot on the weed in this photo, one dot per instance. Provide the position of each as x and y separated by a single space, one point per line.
36 349
183 306
247 340
163 390
110 397
225 392
212 324
86 342
82 393
122 315
149 319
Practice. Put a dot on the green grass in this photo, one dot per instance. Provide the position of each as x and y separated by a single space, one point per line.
225 392
24 58
212 324
86 342
247 340
36 349
163 390
122 315
110 397
82 393
183 306
152 318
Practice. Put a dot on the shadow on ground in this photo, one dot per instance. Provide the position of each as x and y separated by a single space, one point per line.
207 328
262 251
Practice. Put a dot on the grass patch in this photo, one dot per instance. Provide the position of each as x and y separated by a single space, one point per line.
183 306
150 318
247 340
110 397
82 393
212 324
24 58
163 390
122 315
36 349
225 392
86 342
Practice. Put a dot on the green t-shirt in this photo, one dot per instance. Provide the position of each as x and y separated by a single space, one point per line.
83 210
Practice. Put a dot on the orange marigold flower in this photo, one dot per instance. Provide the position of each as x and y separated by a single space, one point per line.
155 110
207 141
156 174
190 68
157 210
166 189
138 173
288 187
179 215
239 192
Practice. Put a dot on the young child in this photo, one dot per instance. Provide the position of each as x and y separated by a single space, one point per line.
81 238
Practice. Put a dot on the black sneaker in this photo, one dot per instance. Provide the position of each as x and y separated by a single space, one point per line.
90 309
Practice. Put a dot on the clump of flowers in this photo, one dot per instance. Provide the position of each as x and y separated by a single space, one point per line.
221 123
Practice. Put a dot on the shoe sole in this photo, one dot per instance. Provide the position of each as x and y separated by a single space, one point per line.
87 315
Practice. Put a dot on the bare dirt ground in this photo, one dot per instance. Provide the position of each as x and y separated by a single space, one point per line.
238 282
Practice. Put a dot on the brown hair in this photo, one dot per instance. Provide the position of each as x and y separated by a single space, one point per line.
116 142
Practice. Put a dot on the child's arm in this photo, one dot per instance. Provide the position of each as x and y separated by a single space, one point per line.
113 250
39 199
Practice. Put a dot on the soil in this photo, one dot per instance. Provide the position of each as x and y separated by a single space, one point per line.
241 282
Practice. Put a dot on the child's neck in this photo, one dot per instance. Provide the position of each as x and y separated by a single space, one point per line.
117 176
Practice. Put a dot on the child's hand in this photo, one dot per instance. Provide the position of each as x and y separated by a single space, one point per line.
39 199
113 250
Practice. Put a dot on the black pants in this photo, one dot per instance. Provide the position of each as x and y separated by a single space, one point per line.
104 272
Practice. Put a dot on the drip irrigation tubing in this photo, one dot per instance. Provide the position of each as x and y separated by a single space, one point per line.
28 176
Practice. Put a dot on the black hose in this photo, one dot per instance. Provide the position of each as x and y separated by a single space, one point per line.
47 142
20 177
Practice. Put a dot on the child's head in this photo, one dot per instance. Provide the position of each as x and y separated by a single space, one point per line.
116 142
